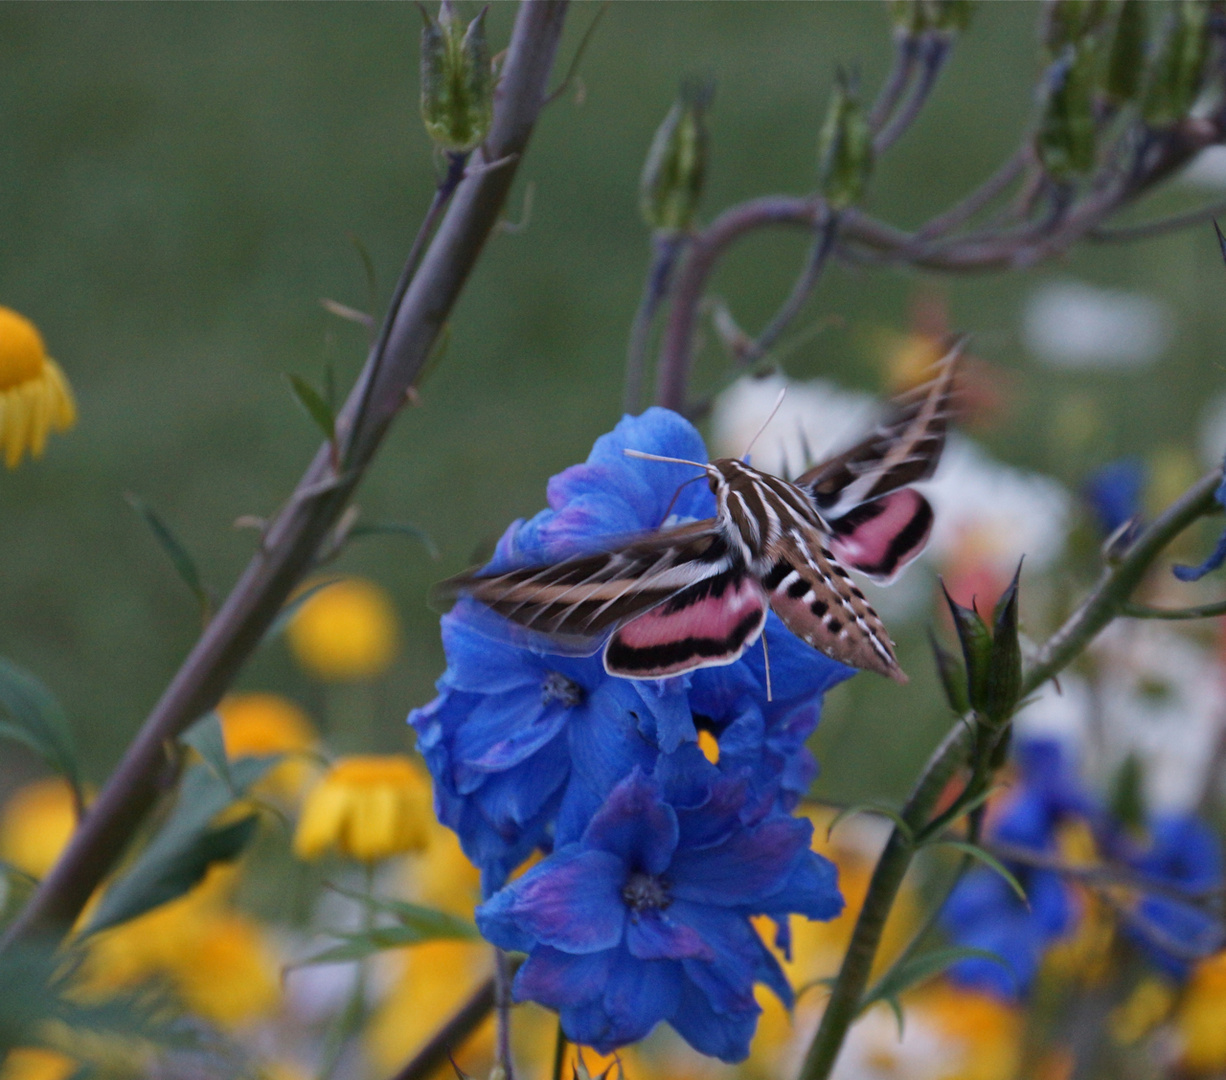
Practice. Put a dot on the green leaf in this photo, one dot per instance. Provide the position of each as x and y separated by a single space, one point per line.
154 882
430 923
184 564
990 861
37 721
186 845
205 737
292 607
916 970
358 946
872 808
314 404
395 528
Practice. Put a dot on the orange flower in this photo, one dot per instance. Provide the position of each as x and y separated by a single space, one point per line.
34 395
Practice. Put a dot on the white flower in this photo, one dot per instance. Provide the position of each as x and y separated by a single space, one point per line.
1072 325
1207 170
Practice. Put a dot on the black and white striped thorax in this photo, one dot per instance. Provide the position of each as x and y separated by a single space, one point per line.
757 510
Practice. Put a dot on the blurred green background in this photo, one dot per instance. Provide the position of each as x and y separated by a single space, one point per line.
179 185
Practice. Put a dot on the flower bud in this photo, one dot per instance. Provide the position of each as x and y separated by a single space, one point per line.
457 81
1175 77
676 165
1070 22
845 147
909 17
1066 140
948 16
1126 59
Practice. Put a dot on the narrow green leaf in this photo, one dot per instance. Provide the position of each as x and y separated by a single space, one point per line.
314 405
180 854
872 808
153 882
428 922
919 969
37 721
990 861
366 943
293 606
205 737
181 560
395 528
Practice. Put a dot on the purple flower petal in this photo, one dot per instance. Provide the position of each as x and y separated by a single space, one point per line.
556 979
655 936
750 865
635 825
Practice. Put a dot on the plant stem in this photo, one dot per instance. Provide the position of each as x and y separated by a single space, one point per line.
665 247
293 539
502 1003
848 989
1118 582
1204 611
451 1035
559 1053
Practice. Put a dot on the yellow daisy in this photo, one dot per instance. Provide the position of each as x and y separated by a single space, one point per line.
34 395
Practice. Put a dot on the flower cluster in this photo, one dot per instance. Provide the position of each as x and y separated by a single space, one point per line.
657 855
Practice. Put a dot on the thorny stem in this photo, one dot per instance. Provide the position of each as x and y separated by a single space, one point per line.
1118 582
293 539
848 989
665 247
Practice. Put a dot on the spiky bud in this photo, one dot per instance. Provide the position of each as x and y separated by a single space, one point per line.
845 147
676 166
457 80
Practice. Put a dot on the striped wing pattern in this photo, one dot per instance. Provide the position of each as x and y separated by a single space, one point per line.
817 600
903 450
585 597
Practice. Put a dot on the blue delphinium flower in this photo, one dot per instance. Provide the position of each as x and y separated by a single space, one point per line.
645 918
524 745
985 913
1114 493
1181 850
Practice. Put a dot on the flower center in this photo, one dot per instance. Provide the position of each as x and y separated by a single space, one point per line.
559 688
22 353
645 892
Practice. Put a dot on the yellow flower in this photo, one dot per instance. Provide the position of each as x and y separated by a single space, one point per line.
227 973
345 631
34 395
36 824
366 807
1199 1019
36 1063
259 725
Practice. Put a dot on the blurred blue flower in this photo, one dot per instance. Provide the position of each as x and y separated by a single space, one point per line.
1184 852
645 918
984 912
1216 558
1114 493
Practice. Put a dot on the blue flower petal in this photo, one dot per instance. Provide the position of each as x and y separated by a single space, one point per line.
505 729
749 866
1195 573
635 826
654 935
571 901
638 995
557 979
720 1035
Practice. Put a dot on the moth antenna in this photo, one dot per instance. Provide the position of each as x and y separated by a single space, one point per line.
766 655
670 460
766 422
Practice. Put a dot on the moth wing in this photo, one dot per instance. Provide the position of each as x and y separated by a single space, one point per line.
706 624
571 606
878 538
902 450
816 599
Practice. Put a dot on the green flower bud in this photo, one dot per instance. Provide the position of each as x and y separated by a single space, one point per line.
1071 22
1126 59
909 17
1176 75
457 81
676 165
1066 140
976 641
845 147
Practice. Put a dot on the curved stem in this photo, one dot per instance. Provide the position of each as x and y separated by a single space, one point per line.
293 539
994 186
1204 611
906 52
665 247
1118 582
933 51
1150 229
848 989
